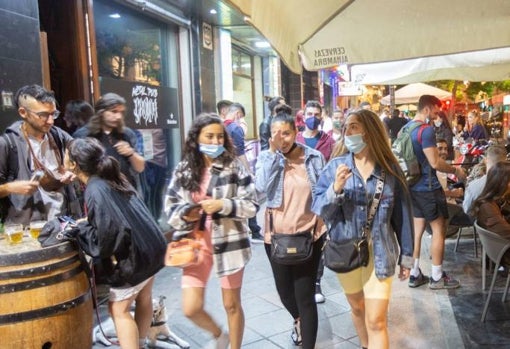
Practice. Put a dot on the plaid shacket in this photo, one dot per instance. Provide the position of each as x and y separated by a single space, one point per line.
229 229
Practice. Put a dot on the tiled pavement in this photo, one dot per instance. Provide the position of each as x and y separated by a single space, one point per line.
418 318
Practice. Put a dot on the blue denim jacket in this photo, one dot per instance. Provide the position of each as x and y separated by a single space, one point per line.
346 214
269 173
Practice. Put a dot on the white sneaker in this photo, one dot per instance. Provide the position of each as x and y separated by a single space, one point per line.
222 342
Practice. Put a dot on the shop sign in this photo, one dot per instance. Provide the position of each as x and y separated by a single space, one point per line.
147 106
207 36
349 89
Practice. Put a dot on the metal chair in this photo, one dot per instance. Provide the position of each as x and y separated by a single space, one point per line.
495 247
462 220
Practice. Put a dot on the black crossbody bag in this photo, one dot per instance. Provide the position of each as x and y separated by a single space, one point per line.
345 256
290 249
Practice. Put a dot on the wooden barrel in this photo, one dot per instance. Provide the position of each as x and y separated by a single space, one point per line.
45 298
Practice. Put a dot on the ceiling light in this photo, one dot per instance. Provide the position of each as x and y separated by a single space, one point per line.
114 15
262 44
213 11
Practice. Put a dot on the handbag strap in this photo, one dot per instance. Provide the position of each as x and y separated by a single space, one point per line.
375 202
271 226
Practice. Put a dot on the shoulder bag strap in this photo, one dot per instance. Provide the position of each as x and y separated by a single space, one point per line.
375 202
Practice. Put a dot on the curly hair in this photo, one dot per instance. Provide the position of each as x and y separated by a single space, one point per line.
190 170
377 142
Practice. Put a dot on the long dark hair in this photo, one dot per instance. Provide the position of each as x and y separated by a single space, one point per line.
106 102
496 186
91 158
190 170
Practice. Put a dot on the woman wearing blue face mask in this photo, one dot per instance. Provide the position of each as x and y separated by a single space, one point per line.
211 181
343 198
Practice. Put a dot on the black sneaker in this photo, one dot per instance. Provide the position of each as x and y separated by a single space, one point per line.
446 282
256 237
417 281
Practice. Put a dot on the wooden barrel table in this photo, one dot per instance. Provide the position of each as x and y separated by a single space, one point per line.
45 298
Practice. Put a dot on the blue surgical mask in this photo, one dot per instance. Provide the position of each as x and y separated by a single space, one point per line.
354 143
212 150
312 123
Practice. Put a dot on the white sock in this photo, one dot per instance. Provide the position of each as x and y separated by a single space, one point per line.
437 272
415 270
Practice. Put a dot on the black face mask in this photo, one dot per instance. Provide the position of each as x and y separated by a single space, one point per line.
291 148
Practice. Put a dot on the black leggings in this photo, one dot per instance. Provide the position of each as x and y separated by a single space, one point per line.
296 287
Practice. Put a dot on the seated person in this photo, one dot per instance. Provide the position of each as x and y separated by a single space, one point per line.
493 155
489 208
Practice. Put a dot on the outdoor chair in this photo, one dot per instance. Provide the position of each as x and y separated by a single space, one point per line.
462 220
495 247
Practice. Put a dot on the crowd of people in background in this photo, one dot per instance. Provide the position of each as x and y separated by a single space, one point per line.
319 174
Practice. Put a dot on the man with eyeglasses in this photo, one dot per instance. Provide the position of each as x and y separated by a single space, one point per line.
32 145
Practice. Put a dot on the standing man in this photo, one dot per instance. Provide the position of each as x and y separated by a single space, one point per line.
324 143
222 107
235 112
311 136
394 124
428 197
265 126
31 144
107 125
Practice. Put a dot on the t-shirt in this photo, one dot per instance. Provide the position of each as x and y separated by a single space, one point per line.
428 180
237 135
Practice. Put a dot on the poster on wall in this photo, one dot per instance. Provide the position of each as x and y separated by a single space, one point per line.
147 106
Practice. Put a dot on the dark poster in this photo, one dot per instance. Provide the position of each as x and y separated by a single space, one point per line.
147 106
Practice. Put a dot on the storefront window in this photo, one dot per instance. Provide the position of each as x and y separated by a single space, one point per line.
243 86
138 59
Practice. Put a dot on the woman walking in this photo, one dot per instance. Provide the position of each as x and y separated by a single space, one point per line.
367 172
287 173
211 181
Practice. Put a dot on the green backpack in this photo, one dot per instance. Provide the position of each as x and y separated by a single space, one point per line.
403 150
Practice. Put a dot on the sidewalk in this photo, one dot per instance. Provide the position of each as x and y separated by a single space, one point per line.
418 318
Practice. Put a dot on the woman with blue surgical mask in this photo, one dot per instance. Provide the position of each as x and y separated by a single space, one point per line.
343 197
211 183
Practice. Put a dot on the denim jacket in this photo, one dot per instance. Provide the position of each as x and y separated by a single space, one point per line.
345 214
269 173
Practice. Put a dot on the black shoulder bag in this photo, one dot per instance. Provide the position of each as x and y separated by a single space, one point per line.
290 249
345 256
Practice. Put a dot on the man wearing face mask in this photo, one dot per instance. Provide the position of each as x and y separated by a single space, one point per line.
428 198
321 141
311 136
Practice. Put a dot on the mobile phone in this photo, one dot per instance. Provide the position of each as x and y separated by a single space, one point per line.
37 176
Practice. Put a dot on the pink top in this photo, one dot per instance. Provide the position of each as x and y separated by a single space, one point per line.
295 214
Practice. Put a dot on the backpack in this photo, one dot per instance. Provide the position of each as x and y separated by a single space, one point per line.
403 150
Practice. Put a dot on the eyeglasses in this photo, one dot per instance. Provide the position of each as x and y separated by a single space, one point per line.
45 115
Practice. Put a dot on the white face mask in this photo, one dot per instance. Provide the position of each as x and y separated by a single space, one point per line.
438 122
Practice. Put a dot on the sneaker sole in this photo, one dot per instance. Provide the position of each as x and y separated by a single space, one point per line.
425 281
443 287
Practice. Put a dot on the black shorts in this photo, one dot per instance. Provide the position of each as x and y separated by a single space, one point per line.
429 204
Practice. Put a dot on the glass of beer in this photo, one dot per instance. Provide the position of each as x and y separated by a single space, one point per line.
14 233
35 228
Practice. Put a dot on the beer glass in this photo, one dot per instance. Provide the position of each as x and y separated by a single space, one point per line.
35 228
14 233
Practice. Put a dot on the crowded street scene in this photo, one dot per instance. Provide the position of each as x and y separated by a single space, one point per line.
257 174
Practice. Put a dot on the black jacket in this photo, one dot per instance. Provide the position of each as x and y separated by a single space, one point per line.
121 231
